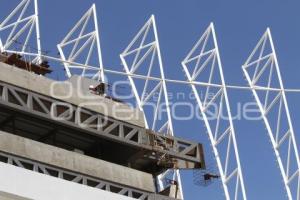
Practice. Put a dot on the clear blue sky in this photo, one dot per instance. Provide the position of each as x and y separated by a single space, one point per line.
239 25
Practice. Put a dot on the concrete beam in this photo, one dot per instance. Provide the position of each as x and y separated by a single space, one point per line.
75 162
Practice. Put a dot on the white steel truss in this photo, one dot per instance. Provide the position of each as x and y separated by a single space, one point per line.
262 69
82 45
19 27
143 65
145 46
81 54
203 65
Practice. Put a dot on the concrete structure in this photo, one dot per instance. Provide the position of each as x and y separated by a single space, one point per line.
63 137
75 162
74 91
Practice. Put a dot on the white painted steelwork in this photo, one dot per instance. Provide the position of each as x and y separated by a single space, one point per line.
205 57
19 27
146 64
262 70
267 95
79 46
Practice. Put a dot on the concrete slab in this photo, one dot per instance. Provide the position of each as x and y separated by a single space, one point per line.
75 162
74 91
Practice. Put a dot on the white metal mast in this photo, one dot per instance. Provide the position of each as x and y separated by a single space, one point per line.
262 69
205 58
146 64
19 27
79 46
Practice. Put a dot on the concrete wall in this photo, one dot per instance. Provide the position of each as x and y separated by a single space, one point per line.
74 91
8 196
75 162
22 184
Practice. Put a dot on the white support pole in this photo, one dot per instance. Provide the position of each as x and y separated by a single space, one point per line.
15 29
217 138
100 60
66 64
77 52
37 27
144 31
274 134
239 168
130 69
162 76
170 124
1 46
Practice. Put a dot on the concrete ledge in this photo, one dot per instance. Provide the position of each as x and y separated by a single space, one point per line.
74 91
75 162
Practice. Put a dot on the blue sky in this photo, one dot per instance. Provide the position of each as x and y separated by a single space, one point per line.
239 24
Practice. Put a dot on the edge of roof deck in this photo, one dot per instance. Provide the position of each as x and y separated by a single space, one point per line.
61 90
